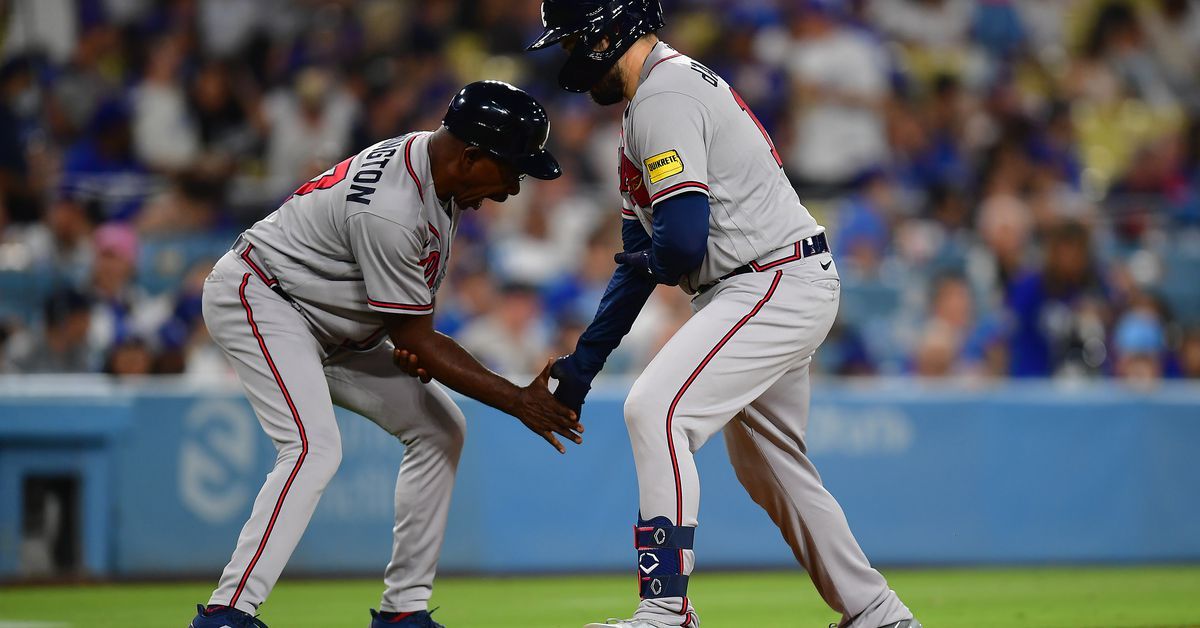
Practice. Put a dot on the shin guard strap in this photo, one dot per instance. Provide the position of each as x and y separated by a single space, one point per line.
664 586
659 533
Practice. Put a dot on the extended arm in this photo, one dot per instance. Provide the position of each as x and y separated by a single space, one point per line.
623 300
677 246
389 254
446 361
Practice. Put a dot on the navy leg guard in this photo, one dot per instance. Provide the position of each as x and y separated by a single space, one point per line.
660 548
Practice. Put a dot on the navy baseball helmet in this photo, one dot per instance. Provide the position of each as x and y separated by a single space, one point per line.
622 21
505 122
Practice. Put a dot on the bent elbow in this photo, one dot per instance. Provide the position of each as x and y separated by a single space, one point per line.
678 261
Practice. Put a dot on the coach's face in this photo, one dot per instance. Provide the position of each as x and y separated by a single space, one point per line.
486 177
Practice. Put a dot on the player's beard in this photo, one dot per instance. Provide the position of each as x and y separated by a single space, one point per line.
610 89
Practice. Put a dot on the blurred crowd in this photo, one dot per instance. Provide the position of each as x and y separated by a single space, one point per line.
1011 187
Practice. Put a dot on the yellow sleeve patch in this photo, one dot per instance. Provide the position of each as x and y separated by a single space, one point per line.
664 165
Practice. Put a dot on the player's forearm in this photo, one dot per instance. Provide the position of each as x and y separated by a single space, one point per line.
447 362
624 299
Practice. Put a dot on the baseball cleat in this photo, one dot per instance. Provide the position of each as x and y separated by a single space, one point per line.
903 623
224 617
413 619
691 622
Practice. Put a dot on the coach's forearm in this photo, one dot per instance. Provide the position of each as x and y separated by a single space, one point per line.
447 362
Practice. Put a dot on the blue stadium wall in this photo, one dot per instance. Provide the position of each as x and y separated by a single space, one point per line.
927 475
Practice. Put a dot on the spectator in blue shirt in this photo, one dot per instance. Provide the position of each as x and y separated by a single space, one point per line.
103 167
1060 311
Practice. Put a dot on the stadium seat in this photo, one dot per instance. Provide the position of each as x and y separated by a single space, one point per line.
22 293
164 261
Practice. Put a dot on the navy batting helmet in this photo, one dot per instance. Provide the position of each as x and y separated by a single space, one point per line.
622 21
505 122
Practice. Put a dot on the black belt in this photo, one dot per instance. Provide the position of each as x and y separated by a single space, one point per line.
802 249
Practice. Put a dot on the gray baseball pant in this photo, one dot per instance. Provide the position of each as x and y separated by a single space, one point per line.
293 382
741 365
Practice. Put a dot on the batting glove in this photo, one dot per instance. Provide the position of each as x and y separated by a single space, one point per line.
573 386
642 261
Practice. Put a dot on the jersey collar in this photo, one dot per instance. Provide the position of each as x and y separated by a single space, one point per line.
417 162
420 169
659 53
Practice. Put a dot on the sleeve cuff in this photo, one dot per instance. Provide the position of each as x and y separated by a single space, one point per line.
678 188
399 308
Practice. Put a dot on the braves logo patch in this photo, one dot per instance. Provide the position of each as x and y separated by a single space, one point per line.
664 165
432 264
632 183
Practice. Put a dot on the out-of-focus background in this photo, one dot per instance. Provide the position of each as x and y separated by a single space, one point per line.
1011 188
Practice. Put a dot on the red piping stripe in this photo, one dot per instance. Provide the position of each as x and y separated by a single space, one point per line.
258 271
408 164
696 373
675 402
262 346
667 58
400 306
791 258
628 212
434 230
677 187
682 609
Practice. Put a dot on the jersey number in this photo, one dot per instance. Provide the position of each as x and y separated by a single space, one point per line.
326 180
708 75
741 103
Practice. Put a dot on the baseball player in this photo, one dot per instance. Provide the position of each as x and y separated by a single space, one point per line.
707 207
308 307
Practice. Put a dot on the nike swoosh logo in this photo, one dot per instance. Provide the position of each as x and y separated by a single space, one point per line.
826 265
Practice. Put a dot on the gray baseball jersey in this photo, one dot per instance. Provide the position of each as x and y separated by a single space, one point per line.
741 363
365 237
374 239
687 130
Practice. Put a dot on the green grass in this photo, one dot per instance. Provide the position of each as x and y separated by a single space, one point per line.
977 598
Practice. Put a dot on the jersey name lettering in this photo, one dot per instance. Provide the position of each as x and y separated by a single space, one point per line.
708 75
370 172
